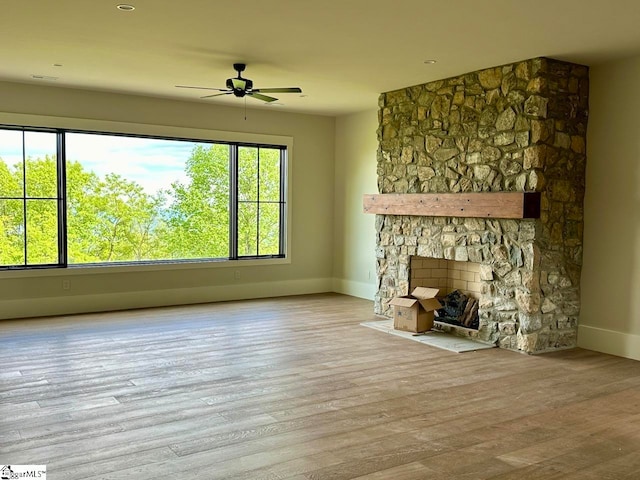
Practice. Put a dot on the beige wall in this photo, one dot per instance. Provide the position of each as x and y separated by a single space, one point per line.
331 237
312 190
354 263
610 310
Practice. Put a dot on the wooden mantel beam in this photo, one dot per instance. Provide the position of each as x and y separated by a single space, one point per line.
478 205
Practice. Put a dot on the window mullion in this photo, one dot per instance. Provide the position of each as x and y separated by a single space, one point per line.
62 198
258 204
233 202
24 197
283 183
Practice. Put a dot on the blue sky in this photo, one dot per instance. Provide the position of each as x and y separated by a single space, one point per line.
152 163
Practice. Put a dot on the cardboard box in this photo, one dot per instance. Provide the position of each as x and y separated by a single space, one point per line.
415 312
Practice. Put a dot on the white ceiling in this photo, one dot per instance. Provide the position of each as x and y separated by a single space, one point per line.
342 53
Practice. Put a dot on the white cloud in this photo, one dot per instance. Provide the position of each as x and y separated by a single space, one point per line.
152 163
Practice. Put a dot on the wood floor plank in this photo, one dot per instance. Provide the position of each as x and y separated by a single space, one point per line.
408 471
294 388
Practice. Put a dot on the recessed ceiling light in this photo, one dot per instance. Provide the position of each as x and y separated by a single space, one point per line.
430 62
275 104
57 64
125 7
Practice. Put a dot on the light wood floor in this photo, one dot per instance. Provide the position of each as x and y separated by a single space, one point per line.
294 388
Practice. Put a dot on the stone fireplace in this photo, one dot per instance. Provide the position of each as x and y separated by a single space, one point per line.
515 128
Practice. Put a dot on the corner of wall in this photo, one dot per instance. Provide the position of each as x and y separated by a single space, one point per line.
353 288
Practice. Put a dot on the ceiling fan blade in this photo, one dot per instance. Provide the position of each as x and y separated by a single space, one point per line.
259 96
278 90
202 88
217 94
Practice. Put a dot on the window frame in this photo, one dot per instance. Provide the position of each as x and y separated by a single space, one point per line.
60 200
234 209
233 139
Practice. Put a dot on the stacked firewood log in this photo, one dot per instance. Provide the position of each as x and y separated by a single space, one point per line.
459 309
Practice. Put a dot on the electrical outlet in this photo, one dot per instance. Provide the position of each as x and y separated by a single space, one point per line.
66 284
236 274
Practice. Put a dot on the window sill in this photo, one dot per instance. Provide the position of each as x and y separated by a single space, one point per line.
75 270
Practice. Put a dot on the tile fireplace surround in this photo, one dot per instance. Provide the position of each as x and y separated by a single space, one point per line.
513 128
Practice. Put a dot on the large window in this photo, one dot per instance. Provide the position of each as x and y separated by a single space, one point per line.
70 198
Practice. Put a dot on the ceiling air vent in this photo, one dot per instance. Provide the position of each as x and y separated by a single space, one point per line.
44 77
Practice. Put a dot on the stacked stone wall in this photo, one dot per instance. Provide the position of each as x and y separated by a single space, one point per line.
519 127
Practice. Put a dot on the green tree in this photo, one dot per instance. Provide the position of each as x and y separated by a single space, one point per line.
82 188
11 217
42 209
39 208
198 214
111 219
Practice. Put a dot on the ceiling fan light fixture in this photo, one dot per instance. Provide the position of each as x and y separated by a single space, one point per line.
240 84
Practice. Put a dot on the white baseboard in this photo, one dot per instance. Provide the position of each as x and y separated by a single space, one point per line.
70 304
355 289
609 341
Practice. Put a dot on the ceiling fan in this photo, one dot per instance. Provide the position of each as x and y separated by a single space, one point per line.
243 86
